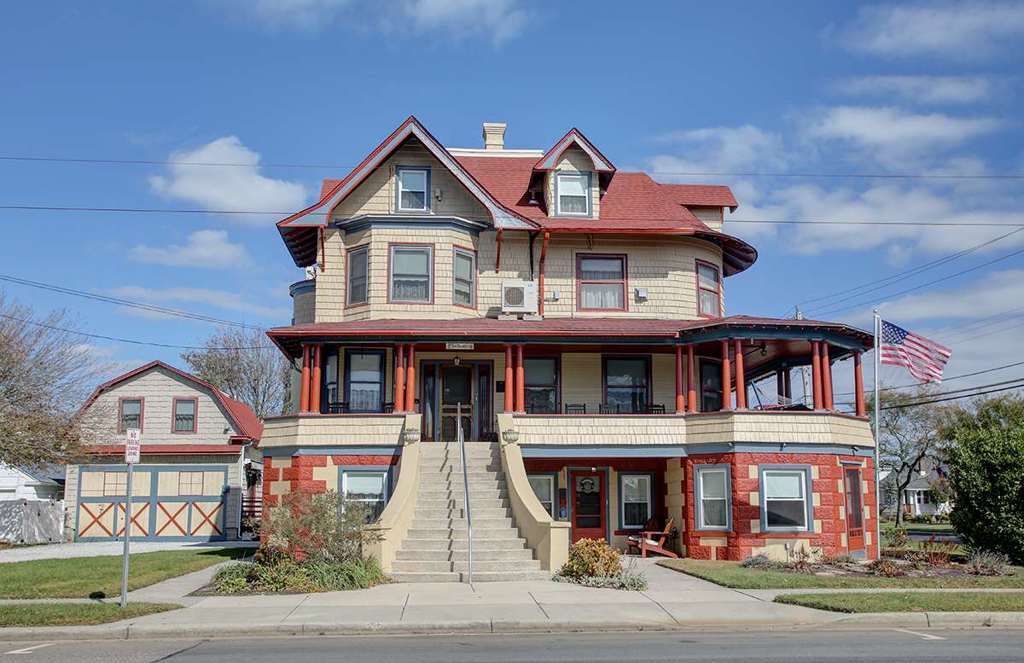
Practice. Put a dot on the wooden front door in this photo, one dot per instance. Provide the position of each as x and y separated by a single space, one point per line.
456 396
589 516
854 510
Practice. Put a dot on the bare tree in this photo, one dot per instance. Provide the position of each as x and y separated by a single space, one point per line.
247 367
909 434
45 375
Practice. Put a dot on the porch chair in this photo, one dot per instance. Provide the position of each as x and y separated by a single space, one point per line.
337 407
652 541
656 408
608 408
575 408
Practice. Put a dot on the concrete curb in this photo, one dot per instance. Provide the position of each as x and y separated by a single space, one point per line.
952 620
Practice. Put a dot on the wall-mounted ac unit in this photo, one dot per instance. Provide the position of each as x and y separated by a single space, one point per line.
518 297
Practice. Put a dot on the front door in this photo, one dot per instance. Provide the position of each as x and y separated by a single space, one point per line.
588 505
854 510
456 394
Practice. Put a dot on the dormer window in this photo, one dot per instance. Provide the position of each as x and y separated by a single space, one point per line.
413 187
572 194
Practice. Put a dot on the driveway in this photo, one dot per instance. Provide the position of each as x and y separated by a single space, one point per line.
99 548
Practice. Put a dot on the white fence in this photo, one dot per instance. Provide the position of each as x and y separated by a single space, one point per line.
24 521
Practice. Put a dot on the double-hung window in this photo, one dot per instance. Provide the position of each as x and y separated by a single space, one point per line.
190 483
185 415
413 190
541 384
130 415
544 488
602 282
366 487
573 193
412 274
627 384
785 499
637 508
364 380
358 272
115 483
464 286
709 290
712 496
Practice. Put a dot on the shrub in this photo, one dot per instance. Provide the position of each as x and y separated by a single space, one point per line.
281 574
759 561
885 568
986 563
836 560
318 527
986 476
898 538
802 561
591 558
937 553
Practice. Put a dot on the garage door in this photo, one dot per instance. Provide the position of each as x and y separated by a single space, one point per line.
169 502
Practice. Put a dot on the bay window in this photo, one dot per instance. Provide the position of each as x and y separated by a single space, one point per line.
786 502
411 278
709 290
602 282
572 191
358 272
464 287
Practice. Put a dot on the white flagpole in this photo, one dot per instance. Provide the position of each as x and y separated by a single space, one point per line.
878 438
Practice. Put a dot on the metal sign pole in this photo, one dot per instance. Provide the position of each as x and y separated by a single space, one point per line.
131 456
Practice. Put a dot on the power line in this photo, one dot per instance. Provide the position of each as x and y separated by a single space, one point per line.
944 380
832 222
125 302
130 340
955 398
228 164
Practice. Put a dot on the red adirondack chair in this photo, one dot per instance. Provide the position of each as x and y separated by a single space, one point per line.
652 541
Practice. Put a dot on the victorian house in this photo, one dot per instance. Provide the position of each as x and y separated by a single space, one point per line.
570 320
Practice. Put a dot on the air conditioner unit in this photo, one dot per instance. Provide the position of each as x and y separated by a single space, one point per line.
518 297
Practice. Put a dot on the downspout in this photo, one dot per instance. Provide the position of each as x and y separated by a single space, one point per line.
533 236
540 277
497 255
323 249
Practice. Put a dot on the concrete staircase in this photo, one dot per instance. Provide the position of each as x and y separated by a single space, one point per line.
435 548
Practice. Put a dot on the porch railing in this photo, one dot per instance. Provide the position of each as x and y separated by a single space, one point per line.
460 436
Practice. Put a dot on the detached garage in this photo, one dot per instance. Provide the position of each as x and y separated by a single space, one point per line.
192 480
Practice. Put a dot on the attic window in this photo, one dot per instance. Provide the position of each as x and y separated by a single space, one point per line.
412 188
572 191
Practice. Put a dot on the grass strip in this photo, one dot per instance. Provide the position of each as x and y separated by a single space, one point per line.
731 574
75 614
99 577
909 602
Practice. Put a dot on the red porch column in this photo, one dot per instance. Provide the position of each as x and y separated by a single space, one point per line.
816 373
314 382
741 380
826 378
400 377
304 381
520 380
726 378
410 380
691 380
680 399
510 383
858 385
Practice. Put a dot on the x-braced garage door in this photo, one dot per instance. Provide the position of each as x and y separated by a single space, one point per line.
169 502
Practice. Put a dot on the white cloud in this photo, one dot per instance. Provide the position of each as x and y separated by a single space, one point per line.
221 299
893 136
228 187
921 89
498 20
953 30
203 248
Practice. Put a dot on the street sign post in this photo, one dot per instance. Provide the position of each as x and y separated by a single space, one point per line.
132 452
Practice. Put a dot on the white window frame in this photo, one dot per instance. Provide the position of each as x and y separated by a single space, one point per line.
353 253
586 187
345 473
399 188
622 499
699 471
550 479
429 248
464 253
807 498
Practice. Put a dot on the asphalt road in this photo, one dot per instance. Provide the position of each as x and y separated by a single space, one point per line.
932 646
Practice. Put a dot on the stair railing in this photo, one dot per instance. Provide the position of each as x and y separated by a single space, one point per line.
461 438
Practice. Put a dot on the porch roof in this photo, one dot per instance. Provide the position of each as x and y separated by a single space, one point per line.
570 330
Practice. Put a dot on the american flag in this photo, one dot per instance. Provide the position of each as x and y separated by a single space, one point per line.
923 357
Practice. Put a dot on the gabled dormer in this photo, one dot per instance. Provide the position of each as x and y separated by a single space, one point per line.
573 176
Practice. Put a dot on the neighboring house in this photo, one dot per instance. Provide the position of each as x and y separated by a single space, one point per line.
196 446
34 485
577 314
920 497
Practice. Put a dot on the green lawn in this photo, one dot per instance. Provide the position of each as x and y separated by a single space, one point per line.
97 577
909 602
75 614
731 574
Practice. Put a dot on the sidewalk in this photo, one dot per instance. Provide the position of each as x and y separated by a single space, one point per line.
674 601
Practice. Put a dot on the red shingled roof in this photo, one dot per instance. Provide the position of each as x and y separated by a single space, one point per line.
701 195
327 186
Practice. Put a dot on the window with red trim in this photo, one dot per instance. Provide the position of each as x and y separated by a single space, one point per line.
709 290
602 282
185 415
130 414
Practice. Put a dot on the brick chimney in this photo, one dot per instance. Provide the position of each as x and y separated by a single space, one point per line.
494 135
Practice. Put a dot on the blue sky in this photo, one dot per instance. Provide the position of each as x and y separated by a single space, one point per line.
784 87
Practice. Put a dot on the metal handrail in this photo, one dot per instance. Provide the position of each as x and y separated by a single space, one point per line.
461 438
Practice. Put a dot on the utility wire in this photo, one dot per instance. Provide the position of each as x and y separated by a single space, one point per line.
944 380
954 398
228 164
832 222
